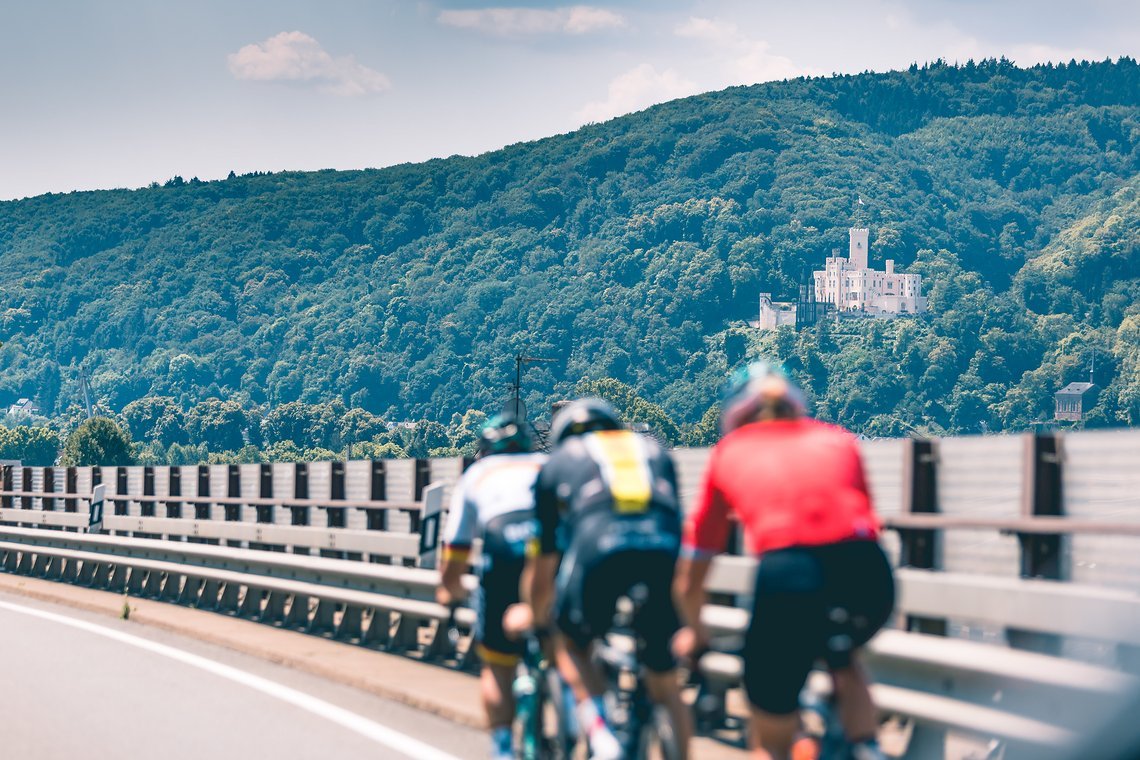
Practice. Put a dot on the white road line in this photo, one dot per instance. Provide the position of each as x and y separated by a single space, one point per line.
378 733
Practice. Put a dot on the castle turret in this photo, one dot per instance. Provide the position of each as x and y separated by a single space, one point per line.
857 253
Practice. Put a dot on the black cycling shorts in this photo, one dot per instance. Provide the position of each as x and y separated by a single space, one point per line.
588 594
498 590
812 603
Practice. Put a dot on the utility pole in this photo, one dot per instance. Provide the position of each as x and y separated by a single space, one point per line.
520 360
86 387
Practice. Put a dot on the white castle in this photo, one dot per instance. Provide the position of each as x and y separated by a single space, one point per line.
849 287
852 286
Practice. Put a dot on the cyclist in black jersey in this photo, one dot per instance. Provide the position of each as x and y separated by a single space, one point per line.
608 520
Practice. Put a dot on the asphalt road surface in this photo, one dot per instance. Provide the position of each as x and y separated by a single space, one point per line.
78 686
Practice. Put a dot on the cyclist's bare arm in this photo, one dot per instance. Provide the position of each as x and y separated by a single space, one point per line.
451 589
689 595
539 592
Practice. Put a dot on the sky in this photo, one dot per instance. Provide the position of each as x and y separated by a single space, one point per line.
122 93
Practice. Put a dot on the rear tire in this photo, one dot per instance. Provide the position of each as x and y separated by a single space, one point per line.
658 739
559 740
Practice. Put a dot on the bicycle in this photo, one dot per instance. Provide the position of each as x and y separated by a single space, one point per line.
643 728
821 734
541 704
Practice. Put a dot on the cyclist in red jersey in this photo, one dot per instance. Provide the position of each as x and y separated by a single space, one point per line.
823 586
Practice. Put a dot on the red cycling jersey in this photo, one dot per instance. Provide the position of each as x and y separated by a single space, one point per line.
790 483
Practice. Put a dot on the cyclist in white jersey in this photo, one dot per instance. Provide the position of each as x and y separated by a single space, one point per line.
494 501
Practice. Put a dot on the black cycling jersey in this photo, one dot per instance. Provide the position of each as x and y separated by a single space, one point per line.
612 486
608 501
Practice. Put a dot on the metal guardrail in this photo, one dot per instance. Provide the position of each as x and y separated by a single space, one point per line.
388 545
936 497
1029 700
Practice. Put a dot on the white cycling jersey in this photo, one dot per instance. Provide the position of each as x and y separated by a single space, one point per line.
496 493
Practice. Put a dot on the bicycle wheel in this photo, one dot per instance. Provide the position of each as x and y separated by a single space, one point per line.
528 718
658 740
559 734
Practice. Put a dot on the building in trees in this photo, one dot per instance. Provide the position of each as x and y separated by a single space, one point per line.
854 289
25 407
775 314
805 311
1074 401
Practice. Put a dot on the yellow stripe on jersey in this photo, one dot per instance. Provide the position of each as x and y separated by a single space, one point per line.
621 457
456 553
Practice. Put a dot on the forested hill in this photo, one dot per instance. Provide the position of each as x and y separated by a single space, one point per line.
630 250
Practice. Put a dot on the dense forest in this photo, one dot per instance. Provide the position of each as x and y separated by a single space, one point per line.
630 252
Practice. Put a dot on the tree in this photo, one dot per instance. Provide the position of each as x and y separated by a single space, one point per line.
155 418
98 442
220 425
632 407
464 431
34 446
425 436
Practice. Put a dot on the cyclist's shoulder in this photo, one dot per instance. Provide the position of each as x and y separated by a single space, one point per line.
528 460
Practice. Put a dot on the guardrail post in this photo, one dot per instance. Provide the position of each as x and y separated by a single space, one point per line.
134 580
47 503
1041 553
350 623
202 508
121 487
921 548
274 612
265 491
423 478
233 511
229 597
191 588
251 603
6 501
211 594
174 488
406 637
117 581
86 574
300 515
101 576
172 587
146 508
335 516
379 629
69 571
322 621
71 485
26 485
377 519
298 616
152 587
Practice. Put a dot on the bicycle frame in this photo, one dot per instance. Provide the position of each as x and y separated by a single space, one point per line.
537 685
632 715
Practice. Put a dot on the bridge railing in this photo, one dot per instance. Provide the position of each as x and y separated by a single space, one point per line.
1033 702
1026 541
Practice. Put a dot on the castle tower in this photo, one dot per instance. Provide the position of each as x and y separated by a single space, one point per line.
857 254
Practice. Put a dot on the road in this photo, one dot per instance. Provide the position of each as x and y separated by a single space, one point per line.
81 685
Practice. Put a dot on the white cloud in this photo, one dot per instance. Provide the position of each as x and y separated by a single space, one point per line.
745 60
636 89
521 22
297 57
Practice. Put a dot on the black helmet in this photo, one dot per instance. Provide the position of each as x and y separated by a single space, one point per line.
746 391
503 434
583 416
